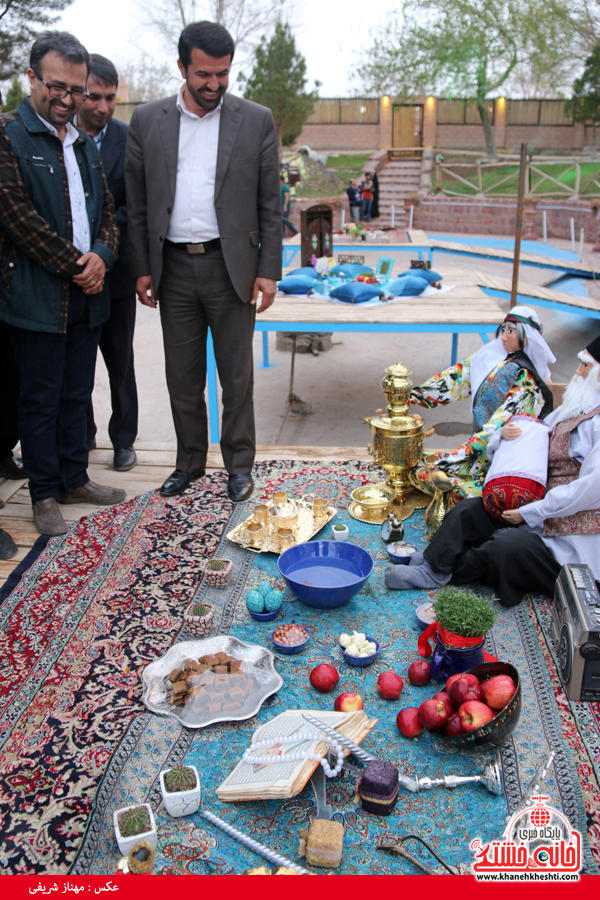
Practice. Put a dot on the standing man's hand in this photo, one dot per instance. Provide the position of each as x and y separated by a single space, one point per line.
268 288
143 285
91 278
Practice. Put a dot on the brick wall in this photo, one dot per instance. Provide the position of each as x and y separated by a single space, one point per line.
339 137
442 215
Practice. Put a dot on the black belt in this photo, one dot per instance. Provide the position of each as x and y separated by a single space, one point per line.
193 249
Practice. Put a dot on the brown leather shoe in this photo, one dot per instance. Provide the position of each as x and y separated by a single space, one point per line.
98 494
48 518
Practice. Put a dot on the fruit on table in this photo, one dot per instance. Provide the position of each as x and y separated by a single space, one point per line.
453 726
433 714
445 699
348 702
389 685
324 678
408 722
463 690
419 672
498 691
472 678
474 714
357 644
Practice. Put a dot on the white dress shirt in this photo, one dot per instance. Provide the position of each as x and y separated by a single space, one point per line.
194 220
583 493
81 222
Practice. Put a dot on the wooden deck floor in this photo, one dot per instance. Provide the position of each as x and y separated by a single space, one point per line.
155 463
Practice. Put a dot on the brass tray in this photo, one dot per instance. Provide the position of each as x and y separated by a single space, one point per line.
306 528
413 500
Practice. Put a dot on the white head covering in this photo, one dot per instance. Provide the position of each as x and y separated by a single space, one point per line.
491 355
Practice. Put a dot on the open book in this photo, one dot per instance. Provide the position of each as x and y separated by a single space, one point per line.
281 780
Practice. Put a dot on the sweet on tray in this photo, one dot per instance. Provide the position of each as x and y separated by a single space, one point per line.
323 843
216 682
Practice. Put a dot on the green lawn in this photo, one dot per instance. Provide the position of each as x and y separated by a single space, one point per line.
348 165
325 184
565 173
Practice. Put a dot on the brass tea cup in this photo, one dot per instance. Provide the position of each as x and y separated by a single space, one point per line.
320 508
279 498
261 513
285 538
255 532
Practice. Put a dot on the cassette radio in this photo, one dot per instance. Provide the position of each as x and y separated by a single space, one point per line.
576 631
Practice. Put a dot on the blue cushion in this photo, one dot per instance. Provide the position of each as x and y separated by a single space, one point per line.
351 270
356 292
296 284
428 274
305 270
406 286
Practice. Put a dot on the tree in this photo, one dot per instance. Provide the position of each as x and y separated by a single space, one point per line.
278 80
148 80
584 105
18 28
464 48
14 96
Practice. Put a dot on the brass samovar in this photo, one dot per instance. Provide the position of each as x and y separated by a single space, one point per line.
398 439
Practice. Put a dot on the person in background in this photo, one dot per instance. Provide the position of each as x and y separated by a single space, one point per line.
10 465
286 205
205 240
366 195
58 236
375 208
95 117
354 199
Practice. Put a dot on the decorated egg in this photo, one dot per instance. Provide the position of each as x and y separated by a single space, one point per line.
255 601
264 588
273 600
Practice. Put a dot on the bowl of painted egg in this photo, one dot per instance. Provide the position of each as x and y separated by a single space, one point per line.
264 603
401 552
290 638
358 649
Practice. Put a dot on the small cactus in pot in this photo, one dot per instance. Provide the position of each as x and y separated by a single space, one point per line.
133 823
217 572
198 618
180 789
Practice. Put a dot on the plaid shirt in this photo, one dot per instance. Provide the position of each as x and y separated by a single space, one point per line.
23 231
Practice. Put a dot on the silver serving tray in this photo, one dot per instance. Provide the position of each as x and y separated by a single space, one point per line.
261 660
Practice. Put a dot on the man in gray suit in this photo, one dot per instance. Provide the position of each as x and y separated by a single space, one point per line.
204 207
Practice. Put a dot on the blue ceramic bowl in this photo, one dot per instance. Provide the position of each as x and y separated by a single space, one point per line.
325 574
285 648
425 615
394 551
264 617
362 660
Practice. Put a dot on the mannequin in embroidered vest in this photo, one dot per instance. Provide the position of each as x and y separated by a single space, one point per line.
507 377
525 549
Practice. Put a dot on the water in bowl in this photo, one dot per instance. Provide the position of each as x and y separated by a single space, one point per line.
325 572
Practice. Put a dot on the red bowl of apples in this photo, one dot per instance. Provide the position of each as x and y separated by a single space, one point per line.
498 729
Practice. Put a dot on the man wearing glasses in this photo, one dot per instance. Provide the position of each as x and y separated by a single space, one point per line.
58 237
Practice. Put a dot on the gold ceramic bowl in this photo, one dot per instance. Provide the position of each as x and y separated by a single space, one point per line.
285 516
374 496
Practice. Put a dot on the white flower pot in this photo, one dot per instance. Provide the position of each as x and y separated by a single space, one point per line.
181 803
340 535
126 843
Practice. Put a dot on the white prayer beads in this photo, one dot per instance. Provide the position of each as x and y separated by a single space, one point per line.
293 757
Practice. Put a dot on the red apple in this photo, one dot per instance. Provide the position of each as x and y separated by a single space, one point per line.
408 722
445 699
498 691
453 726
472 678
348 702
433 714
389 685
324 678
419 672
463 690
473 714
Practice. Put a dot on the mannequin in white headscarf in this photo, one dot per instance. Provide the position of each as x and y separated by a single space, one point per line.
504 378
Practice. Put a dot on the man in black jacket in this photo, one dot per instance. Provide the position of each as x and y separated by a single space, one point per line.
95 116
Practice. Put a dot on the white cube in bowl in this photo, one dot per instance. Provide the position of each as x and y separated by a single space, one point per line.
126 842
181 803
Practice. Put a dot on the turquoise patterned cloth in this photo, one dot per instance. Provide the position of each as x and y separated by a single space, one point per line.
449 820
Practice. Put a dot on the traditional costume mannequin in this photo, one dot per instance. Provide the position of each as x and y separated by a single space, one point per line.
506 377
519 464
564 527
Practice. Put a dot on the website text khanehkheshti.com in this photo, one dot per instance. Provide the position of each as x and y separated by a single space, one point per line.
528 876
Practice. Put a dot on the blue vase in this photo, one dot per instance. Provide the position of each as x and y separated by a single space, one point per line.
447 661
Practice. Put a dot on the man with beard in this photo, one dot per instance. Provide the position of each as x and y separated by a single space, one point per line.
58 237
563 527
205 236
